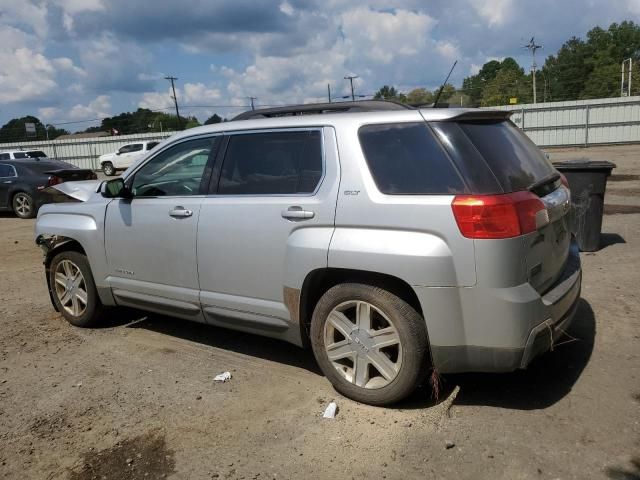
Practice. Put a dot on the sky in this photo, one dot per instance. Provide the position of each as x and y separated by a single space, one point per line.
70 62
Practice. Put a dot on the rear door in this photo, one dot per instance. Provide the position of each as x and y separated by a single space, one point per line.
8 177
271 215
150 239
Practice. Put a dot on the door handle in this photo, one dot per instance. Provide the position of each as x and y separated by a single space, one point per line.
297 213
180 212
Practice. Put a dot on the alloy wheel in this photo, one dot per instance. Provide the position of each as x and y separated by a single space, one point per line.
71 288
22 204
362 344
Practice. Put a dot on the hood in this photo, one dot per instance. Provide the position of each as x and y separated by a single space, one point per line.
82 190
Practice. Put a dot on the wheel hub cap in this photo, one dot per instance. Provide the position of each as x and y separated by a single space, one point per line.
70 288
362 344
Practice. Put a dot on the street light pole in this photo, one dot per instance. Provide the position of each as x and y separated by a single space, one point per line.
175 99
350 78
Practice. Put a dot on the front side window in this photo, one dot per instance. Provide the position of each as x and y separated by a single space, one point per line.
177 171
125 149
272 163
7 171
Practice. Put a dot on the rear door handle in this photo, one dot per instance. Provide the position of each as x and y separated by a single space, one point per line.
180 212
297 213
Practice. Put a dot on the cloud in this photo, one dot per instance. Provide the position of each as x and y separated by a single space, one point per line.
47 113
100 107
191 94
495 11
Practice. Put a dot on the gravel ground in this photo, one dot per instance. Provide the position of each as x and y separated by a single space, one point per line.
136 399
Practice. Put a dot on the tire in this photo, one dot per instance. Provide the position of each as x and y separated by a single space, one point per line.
23 205
90 311
108 169
358 368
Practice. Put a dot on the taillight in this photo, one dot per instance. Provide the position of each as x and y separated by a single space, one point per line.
54 180
564 180
499 216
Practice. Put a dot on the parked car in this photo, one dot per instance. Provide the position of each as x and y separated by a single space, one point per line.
124 157
24 183
392 241
13 155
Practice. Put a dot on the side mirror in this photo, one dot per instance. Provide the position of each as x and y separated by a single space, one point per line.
115 188
118 152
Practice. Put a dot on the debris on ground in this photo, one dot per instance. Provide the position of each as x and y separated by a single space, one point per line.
222 377
449 444
330 411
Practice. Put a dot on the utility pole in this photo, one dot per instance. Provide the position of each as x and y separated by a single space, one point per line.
329 91
175 99
624 62
531 46
350 78
252 105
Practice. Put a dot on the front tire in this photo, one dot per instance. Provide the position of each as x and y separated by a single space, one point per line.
73 289
370 344
108 169
23 205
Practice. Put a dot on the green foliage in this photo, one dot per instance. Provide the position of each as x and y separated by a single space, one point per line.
142 120
419 96
390 93
215 118
14 130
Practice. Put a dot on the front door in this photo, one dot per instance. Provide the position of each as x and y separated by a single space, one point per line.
271 217
150 239
7 179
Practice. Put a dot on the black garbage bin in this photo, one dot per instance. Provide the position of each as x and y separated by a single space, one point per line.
588 182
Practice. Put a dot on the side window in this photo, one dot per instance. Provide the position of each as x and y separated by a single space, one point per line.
177 171
407 159
272 163
151 145
7 171
20 155
125 149
5 156
136 147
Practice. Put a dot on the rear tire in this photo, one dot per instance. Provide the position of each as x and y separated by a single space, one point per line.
377 343
23 205
108 169
73 289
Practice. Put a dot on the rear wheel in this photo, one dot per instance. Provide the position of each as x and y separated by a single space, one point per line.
371 345
74 291
23 205
108 169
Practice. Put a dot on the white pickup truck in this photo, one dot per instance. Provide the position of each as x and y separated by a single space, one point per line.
124 157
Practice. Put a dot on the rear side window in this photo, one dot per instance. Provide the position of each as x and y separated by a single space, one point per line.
5 156
20 155
406 158
514 159
272 163
37 154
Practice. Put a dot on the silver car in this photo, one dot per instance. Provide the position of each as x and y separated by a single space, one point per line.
393 241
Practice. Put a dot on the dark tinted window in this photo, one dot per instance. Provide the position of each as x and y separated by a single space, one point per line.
406 158
20 155
272 163
150 145
514 159
37 154
5 156
6 171
136 147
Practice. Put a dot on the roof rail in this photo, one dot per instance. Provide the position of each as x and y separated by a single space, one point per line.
319 108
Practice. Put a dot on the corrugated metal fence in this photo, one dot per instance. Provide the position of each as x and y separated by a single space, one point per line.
83 152
581 122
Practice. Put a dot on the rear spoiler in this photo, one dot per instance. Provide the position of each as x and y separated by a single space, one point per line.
472 115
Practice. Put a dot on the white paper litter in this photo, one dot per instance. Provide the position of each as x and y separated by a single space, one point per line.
330 411
222 377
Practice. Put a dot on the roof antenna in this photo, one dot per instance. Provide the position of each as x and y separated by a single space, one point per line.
435 101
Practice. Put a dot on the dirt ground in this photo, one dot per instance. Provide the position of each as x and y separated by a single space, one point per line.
136 399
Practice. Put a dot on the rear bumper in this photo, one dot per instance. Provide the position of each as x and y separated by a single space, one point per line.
499 330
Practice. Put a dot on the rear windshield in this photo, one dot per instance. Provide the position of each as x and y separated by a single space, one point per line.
514 159
43 167
37 154
406 158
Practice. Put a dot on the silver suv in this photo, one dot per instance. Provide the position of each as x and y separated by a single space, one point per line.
391 240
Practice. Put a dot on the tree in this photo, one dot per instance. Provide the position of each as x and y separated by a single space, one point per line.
14 130
192 122
390 93
419 96
215 118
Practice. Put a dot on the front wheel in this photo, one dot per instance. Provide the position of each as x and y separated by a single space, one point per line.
108 169
74 291
370 344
